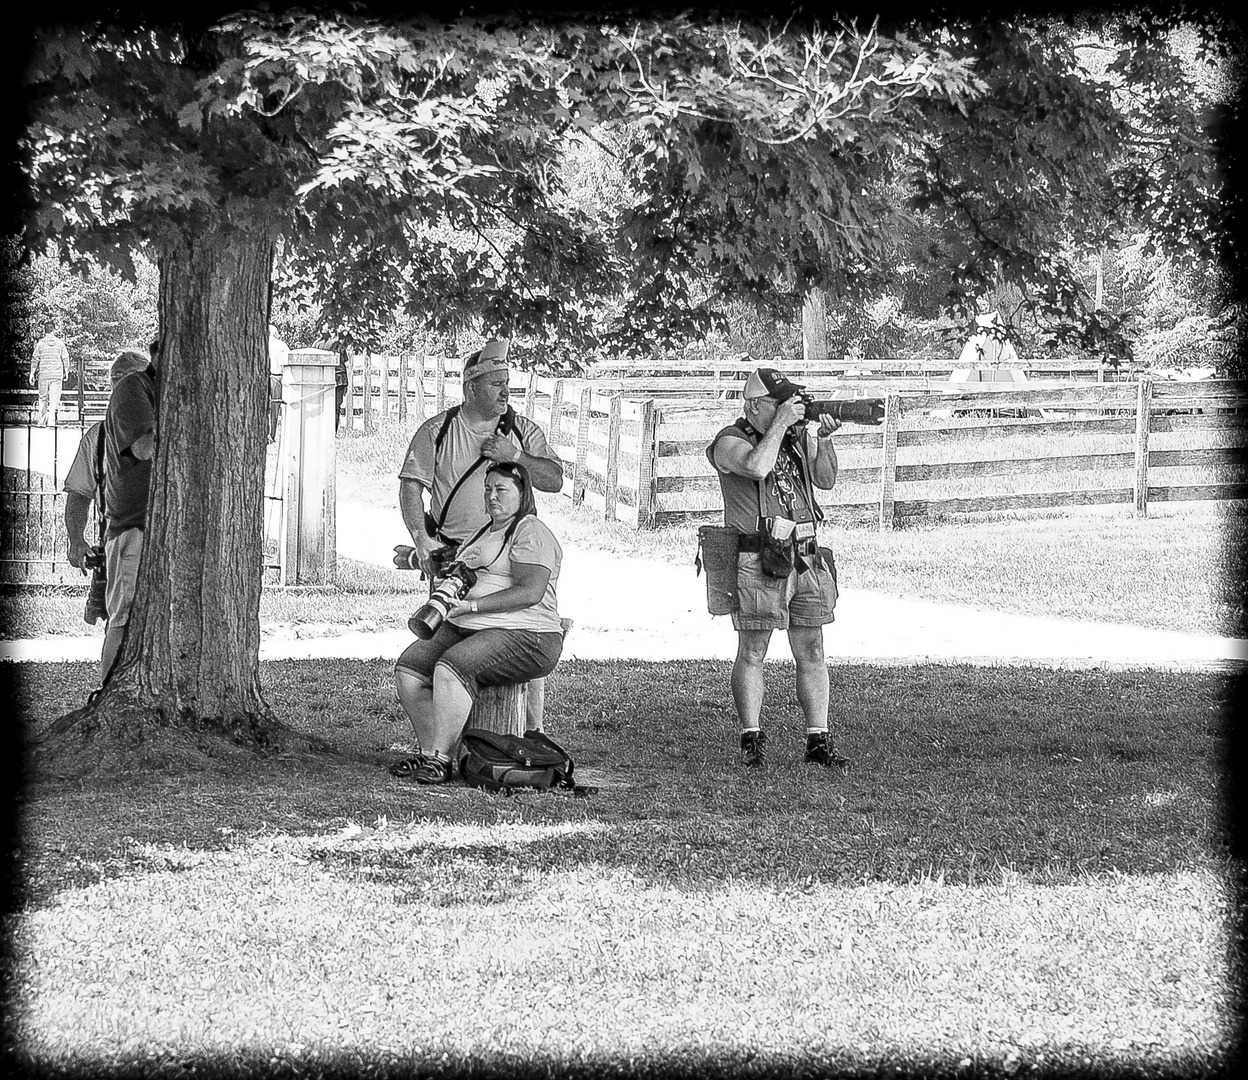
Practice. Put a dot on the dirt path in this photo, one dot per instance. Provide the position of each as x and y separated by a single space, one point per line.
651 610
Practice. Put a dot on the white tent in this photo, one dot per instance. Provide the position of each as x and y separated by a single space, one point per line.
983 354
982 357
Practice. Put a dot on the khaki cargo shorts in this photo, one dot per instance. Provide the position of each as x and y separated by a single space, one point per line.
766 603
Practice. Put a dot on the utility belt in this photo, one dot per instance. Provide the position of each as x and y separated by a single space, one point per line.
780 530
756 542
782 545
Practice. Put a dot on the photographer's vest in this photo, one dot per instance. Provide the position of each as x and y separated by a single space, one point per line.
786 491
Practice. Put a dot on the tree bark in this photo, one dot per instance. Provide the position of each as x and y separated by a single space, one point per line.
189 666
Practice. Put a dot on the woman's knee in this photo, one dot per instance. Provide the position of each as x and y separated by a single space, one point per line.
408 682
445 678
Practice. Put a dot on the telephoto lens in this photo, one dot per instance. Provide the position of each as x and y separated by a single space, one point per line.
95 610
851 411
454 586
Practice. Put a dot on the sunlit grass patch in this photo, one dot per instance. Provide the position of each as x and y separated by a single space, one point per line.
301 947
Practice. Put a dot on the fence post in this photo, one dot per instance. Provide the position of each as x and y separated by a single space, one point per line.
439 384
556 414
530 395
612 492
418 392
368 392
308 535
350 399
1143 421
582 448
888 463
81 363
647 456
404 360
385 386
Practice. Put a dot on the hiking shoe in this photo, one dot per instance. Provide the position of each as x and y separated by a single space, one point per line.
821 751
753 749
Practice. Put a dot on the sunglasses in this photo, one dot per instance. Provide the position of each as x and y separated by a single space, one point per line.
511 468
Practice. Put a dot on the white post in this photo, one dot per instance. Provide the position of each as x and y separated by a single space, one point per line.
307 544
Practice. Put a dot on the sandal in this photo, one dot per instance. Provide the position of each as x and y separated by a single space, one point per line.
424 770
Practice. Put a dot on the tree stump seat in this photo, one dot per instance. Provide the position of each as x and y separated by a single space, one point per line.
514 708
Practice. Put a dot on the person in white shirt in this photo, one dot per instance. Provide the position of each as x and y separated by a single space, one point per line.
279 353
49 368
505 629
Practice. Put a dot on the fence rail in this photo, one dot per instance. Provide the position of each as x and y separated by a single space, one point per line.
634 452
633 443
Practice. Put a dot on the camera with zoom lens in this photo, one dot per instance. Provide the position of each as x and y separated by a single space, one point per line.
95 609
453 585
849 411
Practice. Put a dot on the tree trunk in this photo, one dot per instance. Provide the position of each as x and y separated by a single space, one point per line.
189 665
814 327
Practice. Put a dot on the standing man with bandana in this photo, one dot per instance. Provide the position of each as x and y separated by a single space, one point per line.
447 459
768 465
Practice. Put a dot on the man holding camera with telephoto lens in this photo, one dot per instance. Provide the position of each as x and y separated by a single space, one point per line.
768 464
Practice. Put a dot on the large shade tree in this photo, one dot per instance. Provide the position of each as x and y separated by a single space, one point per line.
416 166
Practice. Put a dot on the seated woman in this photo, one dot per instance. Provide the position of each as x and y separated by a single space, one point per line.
505 630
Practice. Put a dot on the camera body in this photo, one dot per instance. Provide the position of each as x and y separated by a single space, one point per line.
94 558
442 559
868 411
453 585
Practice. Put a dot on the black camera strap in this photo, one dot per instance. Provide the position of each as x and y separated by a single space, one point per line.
506 425
99 482
507 535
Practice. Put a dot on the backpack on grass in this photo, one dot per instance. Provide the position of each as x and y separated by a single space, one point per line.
497 762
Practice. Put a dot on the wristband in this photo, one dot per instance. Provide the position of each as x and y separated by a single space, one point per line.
472 606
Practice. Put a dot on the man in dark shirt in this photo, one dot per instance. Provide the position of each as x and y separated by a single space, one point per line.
129 447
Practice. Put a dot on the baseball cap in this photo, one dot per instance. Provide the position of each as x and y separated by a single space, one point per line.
768 382
493 357
126 363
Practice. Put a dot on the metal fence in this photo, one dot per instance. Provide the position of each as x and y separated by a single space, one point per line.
33 464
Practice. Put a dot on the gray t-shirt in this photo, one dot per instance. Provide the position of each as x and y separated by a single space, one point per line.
460 448
131 415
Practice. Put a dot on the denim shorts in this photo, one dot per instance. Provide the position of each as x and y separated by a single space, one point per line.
491 657
766 603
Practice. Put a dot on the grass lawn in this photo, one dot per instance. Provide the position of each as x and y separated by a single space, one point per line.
1022 868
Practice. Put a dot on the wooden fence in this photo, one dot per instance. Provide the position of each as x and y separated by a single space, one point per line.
413 386
633 446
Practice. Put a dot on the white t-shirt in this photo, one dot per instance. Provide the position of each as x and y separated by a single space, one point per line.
532 543
279 353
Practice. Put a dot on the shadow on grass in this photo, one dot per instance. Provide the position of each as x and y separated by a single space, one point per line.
958 773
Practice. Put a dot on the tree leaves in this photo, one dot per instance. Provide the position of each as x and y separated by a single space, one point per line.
755 161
